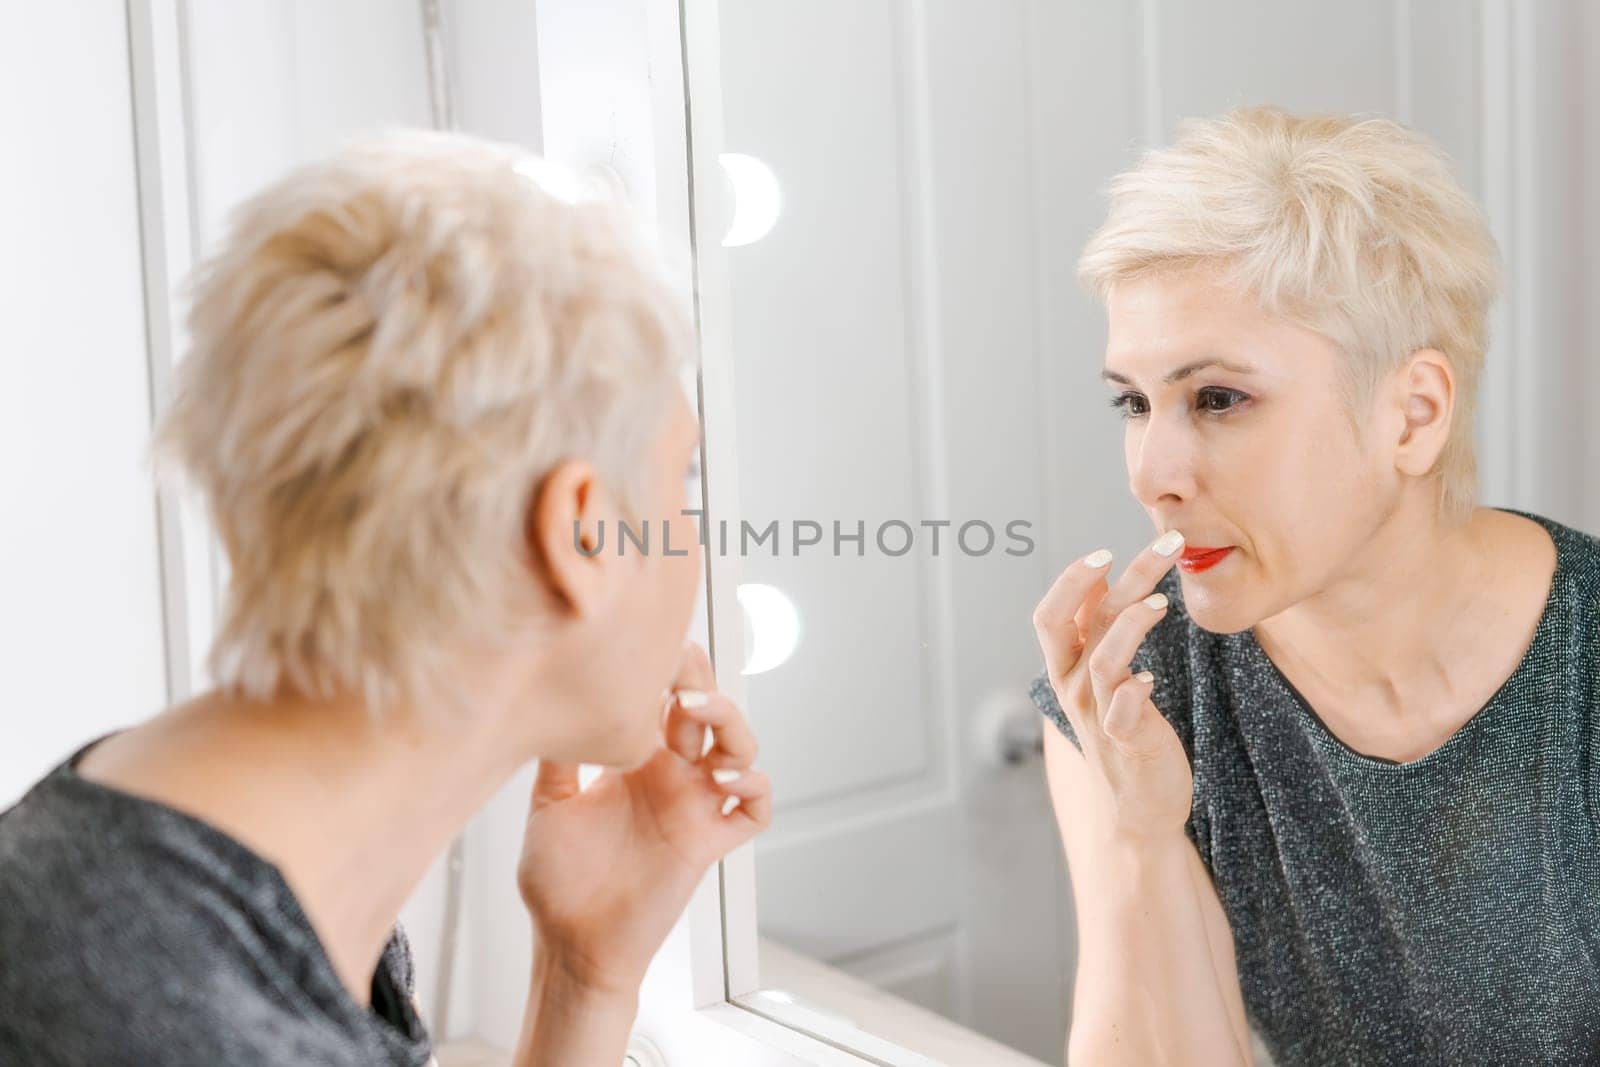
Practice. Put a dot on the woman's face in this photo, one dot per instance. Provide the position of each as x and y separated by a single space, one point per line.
1236 436
649 629
628 601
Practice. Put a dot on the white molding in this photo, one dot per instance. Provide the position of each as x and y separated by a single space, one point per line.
941 778
1535 194
835 1031
1526 387
927 374
736 979
708 212
786 1038
619 66
1497 428
158 68
1045 329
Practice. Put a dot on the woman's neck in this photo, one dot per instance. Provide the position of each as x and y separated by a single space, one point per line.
1401 652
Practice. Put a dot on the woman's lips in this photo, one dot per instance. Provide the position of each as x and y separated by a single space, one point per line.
1195 560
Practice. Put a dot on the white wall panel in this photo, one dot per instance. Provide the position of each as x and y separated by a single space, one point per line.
80 594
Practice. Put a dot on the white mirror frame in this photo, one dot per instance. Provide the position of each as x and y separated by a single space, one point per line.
711 214
644 74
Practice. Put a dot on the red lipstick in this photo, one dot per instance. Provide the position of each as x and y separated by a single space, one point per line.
1198 559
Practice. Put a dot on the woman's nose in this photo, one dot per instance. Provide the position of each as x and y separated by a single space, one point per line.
1161 462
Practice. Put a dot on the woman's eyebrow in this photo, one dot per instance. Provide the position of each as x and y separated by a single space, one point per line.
1183 371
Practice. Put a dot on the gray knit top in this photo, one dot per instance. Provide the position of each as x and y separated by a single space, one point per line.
1444 910
132 933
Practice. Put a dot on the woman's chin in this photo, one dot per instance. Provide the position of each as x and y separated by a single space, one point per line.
1213 609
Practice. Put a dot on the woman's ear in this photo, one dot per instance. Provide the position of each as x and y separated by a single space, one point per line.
1427 396
565 531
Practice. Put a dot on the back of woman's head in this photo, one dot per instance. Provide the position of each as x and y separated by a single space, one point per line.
1354 227
389 350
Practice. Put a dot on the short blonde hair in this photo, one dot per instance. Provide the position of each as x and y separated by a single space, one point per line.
389 352
1355 227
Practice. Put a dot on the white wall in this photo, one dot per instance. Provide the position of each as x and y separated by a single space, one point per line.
1586 271
81 647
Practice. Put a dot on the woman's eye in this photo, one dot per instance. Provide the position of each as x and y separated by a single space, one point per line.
1209 401
1128 404
1218 401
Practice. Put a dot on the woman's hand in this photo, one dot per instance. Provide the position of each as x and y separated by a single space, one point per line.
605 872
1089 634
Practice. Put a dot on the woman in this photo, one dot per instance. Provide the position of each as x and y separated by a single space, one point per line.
421 385
1334 779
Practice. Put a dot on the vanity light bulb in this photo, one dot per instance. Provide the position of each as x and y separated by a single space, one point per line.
772 626
756 200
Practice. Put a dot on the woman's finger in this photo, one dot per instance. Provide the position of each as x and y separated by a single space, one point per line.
694 670
1128 701
747 783
693 685
553 783
684 734
1143 574
753 791
1110 661
1054 619
734 743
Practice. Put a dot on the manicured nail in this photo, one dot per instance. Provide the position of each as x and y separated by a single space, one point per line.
729 804
1168 543
693 698
724 775
1098 558
1156 601
1145 676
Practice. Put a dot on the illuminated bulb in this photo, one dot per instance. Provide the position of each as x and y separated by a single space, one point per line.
755 198
773 626
560 182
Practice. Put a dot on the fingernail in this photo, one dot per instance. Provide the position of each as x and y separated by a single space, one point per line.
1156 601
693 698
729 804
724 775
1145 676
1168 543
1098 558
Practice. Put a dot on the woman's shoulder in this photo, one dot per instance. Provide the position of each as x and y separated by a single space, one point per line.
1577 577
1583 553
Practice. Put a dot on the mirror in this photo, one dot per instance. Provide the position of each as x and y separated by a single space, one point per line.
922 440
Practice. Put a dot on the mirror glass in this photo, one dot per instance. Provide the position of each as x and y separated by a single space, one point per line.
924 441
